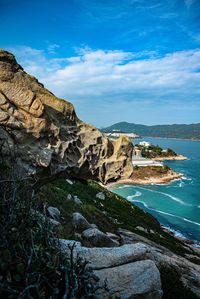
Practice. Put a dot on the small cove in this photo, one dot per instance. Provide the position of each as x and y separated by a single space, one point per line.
175 205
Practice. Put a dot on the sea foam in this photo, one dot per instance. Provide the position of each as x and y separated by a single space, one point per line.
167 195
137 194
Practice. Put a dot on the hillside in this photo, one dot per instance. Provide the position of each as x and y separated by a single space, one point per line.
63 234
182 131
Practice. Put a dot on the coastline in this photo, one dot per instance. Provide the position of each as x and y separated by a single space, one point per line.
179 236
194 245
171 158
189 139
163 179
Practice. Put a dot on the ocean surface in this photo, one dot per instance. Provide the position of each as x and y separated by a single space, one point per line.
176 205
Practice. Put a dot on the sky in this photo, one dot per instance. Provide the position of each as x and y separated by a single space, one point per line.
115 60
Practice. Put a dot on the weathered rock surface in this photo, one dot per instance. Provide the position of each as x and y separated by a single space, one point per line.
104 257
128 270
100 195
47 137
54 213
80 223
189 272
95 237
135 280
118 265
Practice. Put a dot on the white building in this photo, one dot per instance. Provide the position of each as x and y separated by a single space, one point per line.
118 134
137 153
145 143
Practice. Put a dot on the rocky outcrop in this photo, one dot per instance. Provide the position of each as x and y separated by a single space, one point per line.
133 269
46 136
79 223
128 270
95 238
189 272
135 280
54 213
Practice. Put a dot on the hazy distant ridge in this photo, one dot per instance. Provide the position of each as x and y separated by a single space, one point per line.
183 131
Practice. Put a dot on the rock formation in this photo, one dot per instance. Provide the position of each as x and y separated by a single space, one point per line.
47 137
128 270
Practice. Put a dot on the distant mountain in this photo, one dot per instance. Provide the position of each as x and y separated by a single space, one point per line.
191 131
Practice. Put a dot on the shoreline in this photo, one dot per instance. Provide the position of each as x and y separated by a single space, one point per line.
193 244
171 158
164 179
189 139
180 236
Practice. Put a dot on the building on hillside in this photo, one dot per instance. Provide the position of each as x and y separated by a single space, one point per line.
145 143
164 151
137 153
116 134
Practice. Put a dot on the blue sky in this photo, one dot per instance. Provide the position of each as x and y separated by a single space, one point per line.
128 60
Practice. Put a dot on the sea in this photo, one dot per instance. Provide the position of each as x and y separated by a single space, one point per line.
177 204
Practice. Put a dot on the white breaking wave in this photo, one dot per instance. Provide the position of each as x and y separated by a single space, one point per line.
168 195
165 213
181 184
137 194
186 179
177 233
144 204
191 221
124 186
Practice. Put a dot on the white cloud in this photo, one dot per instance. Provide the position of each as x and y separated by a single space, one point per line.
188 3
105 78
52 48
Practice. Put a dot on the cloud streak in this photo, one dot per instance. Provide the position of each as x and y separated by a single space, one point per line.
109 78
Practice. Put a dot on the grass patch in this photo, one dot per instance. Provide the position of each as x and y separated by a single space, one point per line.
110 214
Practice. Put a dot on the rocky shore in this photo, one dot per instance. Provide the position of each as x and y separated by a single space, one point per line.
156 178
170 158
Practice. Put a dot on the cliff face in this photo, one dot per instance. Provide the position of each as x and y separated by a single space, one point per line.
46 136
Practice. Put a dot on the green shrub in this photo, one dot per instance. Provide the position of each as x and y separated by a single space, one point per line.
172 285
32 264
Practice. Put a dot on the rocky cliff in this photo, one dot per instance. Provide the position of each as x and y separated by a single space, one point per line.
47 137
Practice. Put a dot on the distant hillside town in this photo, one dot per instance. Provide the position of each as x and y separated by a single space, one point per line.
179 131
118 133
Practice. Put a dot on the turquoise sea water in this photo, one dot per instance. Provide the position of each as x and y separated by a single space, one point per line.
176 205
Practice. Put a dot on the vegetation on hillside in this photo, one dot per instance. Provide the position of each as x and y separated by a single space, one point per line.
155 151
109 214
182 131
149 171
32 264
112 213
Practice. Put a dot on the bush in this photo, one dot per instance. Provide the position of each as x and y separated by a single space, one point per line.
32 264
172 285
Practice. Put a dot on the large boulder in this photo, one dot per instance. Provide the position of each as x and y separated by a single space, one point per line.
80 223
47 136
188 271
100 195
134 280
54 213
127 269
95 237
104 257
